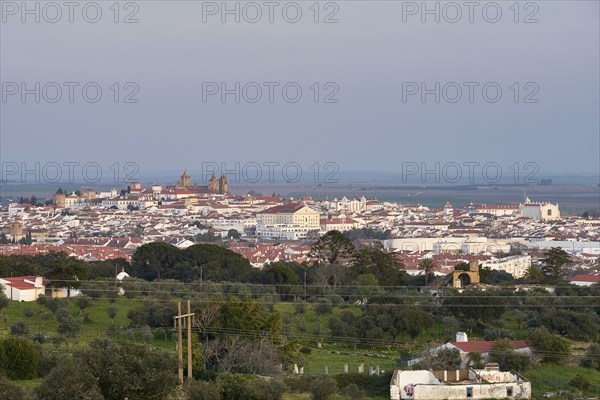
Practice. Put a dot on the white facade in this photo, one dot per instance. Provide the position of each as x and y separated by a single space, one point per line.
514 265
459 384
497 210
281 231
338 224
288 222
539 211
471 245
26 288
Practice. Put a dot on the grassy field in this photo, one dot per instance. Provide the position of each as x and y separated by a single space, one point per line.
308 327
319 359
306 396
42 322
550 378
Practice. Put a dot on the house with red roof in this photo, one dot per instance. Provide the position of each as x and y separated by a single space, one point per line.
483 347
586 279
24 288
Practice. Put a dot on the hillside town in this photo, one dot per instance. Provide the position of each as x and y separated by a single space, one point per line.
207 242
92 225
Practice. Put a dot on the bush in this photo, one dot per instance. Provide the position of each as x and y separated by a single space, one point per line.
580 383
19 358
298 383
112 371
47 363
497 333
40 338
371 385
549 347
71 379
202 390
444 359
46 315
323 306
507 358
19 328
41 300
592 357
68 326
10 390
234 387
323 388
300 308
352 391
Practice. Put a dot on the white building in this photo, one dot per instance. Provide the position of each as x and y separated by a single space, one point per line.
497 210
514 265
586 279
470 245
539 211
483 347
486 383
291 221
23 288
338 224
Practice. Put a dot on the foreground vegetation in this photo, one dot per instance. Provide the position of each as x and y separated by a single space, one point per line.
354 307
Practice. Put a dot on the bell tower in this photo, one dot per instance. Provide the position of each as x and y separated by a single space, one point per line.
223 185
213 185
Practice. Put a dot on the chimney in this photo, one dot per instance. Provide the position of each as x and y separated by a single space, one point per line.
38 282
461 337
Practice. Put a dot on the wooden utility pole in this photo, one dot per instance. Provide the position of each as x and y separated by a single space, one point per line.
305 282
188 320
189 337
180 342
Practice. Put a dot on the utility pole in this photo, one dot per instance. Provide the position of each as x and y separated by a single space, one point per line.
189 340
188 318
179 342
305 282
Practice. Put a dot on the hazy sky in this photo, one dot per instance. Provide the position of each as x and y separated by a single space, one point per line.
371 59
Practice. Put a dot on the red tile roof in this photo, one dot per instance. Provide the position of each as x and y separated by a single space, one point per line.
594 277
485 346
283 209
19 282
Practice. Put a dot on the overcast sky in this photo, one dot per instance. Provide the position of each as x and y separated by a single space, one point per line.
370 58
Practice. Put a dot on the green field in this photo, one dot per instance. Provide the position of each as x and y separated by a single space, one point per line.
42 322
306 396
550 378
323 351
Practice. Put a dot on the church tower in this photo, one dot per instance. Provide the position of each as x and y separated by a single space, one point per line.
223 185
186 179
213 185
185 182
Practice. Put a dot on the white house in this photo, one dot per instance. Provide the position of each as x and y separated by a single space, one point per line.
586 279
483 347
24 288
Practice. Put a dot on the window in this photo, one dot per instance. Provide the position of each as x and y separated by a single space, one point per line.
549 212
469 392
509 391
